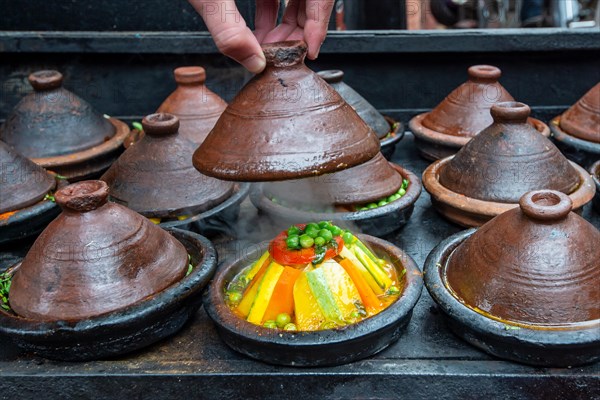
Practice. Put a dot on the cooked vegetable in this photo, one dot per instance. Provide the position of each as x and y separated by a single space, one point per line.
385 201
5 280
283 319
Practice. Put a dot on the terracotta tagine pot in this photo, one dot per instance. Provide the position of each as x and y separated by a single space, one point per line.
25 195
156 178
61 132
103 280
315 348
491 172
196 106
595 171
286 123
577 130
525 285
276 201
388 131
464 113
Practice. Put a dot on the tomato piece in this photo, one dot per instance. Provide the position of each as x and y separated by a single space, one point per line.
284 256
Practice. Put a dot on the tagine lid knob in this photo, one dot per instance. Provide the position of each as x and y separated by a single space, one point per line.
192 75
510 111
484 73
160 124
546 205
82 196
45 80
285 54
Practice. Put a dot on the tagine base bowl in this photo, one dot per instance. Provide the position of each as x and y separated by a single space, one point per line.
583 152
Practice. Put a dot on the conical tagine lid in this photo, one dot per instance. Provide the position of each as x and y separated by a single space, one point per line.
466 110
286 123
507 159
196 106
156 177
22 182
536 264
583 118
53 121
365 183
362 107
94 258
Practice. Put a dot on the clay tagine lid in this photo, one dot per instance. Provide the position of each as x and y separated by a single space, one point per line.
286 123
53 121
362 107
507 159
535 264
365 183
197 107
95 257
466 110
582 120
155 177
22 182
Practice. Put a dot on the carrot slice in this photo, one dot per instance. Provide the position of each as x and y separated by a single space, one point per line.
250 293
282 300
368 297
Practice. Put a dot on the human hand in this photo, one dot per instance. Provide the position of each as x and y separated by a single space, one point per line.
302 20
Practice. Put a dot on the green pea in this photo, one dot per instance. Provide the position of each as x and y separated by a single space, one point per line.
405 183
312 225
355 315
306 241
313 233
283 319
348 237
335 230
370 206
328 325
294 230
319 241
393 290
235 297
324 224
402 192
290 327
293 242
325 234
382 203
395 197
270 324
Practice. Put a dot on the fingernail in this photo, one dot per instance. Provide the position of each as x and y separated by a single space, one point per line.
255 64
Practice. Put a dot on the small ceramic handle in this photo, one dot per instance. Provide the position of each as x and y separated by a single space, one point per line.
160 124
285 54
190 75
484 72
332 75
546 205
45 80
82 196
510 111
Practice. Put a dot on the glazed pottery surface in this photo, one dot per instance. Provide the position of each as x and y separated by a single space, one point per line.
286 123
156 178
125 330
371 181
537 265
507 159
465 112
53 121
94 258
197 107
582 120
22 182
362 107
316 348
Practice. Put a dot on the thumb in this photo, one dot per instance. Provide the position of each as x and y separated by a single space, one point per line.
230 33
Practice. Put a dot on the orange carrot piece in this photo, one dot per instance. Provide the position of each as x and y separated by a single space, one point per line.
368 297
250 293
282 300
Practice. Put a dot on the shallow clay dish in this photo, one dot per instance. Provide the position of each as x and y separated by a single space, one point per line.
156 178
577 130
319 348
595 171
547 258
505 160
197 107
61 132
379 221
464 113
286 123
